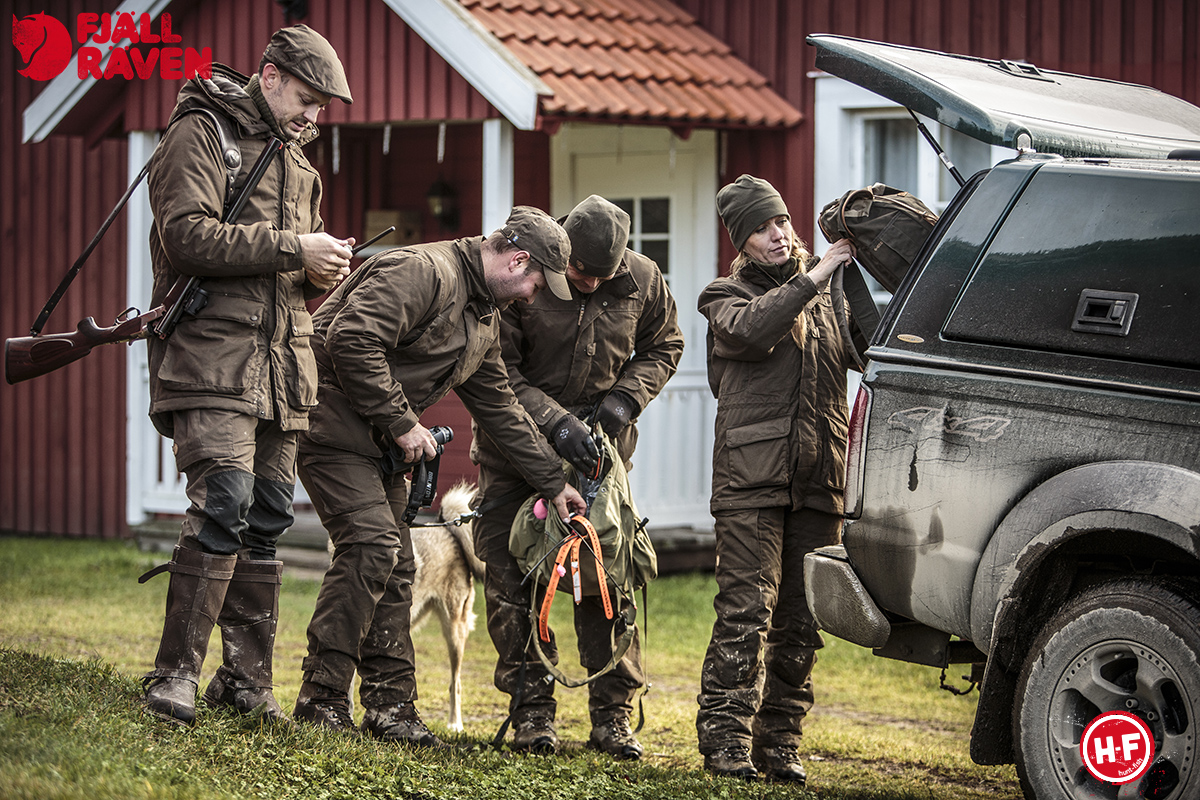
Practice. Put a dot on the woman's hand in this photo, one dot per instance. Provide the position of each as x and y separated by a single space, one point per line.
839 253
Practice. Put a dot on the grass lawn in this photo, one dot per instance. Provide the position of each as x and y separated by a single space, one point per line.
77 631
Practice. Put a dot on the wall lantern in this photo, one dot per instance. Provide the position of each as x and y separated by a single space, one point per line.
443 204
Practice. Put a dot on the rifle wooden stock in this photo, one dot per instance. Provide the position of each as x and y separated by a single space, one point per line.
28 357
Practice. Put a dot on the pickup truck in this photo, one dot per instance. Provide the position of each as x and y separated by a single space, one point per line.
1023 482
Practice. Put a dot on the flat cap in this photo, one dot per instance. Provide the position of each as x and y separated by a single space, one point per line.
599 233
310 57
534 231
747 203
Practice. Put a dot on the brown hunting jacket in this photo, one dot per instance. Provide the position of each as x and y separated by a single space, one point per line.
247 350
781 409
406 328
563 356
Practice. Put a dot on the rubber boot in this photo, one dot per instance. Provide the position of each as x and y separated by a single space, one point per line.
194 599
248 621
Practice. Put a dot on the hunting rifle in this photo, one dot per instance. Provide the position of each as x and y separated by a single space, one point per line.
30 356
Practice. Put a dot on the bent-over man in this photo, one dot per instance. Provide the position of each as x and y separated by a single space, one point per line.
404 330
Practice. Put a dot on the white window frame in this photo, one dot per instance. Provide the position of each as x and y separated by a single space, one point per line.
841 108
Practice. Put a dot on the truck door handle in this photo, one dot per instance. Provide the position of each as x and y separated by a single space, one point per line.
1100 311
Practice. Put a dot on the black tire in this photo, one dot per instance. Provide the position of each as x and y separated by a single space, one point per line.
1129 645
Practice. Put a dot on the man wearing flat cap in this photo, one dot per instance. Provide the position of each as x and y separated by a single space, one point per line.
410 325
596 352
233 383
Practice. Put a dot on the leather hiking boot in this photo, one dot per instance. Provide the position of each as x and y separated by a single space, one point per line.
615 738
731 762
254 701
781 764
401 723
172 699
325 709
535 734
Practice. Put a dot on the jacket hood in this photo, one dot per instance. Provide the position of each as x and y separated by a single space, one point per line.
225 92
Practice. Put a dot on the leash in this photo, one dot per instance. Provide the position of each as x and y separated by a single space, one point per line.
462 519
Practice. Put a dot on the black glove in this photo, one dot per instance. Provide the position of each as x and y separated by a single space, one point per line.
574 442
615 412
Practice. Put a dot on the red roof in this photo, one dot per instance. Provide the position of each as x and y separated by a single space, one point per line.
632 61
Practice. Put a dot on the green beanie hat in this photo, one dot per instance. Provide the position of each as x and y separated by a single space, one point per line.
599 233
745 204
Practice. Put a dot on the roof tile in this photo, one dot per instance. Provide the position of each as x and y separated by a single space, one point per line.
636 60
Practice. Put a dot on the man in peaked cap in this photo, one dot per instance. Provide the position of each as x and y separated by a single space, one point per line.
409 326
595 356
232 385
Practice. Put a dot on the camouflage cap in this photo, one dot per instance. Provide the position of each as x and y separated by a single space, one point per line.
310 57
534 231
599 233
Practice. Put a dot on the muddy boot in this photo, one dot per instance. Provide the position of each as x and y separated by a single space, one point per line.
732 761
533 732
248 620
614 737
194 599
781 764
326 708
401 724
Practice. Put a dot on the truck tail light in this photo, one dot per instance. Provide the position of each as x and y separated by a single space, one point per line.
856 446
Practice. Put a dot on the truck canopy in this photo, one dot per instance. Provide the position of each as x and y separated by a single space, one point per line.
998 101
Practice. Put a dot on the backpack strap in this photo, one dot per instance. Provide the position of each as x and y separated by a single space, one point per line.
231 154
848 287
626 623
571 547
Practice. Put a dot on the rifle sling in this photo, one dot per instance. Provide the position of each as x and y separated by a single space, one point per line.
230 154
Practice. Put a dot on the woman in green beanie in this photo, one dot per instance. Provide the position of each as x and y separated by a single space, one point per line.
777 366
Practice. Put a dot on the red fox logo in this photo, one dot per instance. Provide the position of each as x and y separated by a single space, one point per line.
44 44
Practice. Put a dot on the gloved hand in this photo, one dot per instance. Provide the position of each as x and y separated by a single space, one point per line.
615 412
574 442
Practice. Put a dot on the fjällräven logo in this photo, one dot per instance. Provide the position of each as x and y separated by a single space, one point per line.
45 46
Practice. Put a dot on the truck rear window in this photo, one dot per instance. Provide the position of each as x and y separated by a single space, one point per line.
1101 261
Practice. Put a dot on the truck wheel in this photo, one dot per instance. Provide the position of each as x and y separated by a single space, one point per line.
1128 645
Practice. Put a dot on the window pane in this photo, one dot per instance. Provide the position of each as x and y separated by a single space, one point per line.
967 155
656 215
625 204
660 251
891 152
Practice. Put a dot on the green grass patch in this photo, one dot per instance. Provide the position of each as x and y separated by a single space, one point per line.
77 631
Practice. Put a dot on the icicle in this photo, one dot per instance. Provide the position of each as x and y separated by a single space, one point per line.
387 138
441 141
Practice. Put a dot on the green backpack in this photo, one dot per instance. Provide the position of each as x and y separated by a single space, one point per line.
629 558
562 556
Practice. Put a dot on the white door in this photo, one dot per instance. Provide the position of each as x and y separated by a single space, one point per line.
668 186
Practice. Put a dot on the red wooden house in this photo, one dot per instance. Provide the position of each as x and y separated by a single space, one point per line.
485 104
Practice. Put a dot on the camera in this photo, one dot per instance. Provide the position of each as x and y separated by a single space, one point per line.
393 459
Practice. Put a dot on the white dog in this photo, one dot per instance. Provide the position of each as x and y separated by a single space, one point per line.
447 569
